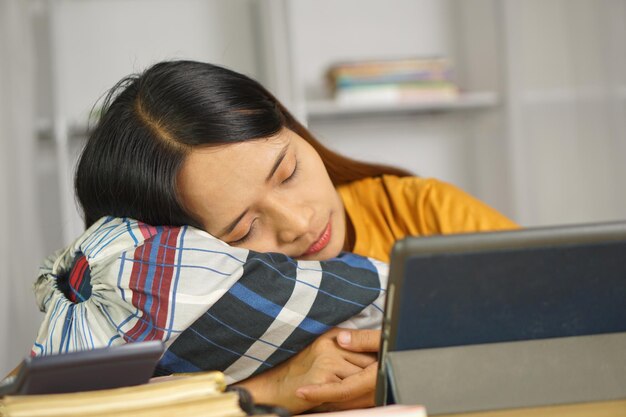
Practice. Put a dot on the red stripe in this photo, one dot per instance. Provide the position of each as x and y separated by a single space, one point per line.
76 276
137 281
147 231
161 283
81 275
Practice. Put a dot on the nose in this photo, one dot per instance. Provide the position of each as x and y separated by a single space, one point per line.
292 220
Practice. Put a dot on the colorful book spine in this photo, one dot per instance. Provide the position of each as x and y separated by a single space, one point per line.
389 81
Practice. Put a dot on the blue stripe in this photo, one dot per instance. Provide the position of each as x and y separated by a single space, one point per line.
255 301
75 327
107 243
180 248
79 295
346 280
313 326
178 266
52 320
270 266
61 310
41 349
134 316
147 285
45 303
272 309
96 236
130 232
67 327
174 363
85 243
356 261
119 276
175 286
246 336
104 309
117 336
93 345
203 337
377 308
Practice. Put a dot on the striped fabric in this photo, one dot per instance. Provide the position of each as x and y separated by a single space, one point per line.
215 306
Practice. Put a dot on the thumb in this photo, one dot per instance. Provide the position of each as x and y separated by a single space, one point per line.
359 340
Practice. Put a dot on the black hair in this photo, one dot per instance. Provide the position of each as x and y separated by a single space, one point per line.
150 121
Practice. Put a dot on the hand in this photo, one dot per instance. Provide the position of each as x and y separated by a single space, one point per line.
319 364
354 391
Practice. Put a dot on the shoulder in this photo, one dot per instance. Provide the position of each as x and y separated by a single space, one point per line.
428 205
393 189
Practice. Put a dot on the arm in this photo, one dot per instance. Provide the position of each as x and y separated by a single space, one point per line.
323 363
217 307
354 391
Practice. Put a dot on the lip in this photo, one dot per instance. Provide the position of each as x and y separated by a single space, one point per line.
321 242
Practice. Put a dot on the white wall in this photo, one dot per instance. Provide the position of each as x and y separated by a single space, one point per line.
20 247
552 151
465 147
79 50
92 44
570 57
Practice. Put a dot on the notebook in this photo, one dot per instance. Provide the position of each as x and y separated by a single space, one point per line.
510 319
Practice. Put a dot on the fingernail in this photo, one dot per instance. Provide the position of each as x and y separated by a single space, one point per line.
344 338
300 394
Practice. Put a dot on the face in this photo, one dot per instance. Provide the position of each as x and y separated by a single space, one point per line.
266 195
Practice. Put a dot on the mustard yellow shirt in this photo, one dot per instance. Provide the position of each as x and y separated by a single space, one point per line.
388 208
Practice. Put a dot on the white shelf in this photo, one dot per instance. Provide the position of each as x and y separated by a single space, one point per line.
328 108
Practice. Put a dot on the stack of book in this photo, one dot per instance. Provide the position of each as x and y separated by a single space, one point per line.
393 81
201 394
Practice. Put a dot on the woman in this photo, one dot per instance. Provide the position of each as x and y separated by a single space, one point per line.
199 155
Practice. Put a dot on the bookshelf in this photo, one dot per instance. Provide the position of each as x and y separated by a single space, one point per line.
329 108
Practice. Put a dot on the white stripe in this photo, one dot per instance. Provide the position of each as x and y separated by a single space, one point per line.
289 318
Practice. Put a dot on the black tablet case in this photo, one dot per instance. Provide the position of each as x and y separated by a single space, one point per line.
506 319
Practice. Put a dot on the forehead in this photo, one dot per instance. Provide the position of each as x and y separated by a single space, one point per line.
216 181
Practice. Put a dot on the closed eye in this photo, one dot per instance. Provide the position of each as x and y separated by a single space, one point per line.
245 237
292 175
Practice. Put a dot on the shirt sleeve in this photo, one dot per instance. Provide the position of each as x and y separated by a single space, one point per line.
215 306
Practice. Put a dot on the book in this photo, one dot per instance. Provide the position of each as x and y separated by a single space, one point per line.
425 79
199 394
396 410
397 93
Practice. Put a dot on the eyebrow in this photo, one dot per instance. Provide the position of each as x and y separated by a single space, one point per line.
231 226
277 163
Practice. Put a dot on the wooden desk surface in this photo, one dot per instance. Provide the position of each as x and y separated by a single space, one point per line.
596 409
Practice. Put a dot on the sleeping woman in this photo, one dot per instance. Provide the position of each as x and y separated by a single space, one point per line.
217 223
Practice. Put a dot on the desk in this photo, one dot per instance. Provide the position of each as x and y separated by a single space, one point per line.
595 409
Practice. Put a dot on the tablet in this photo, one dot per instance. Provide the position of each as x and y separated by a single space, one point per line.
506 319
113 367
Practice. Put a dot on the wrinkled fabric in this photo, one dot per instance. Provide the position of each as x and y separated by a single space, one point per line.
216 307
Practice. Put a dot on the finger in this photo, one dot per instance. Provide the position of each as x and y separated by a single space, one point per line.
364 401
362 360
359 340
348 389
346 369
